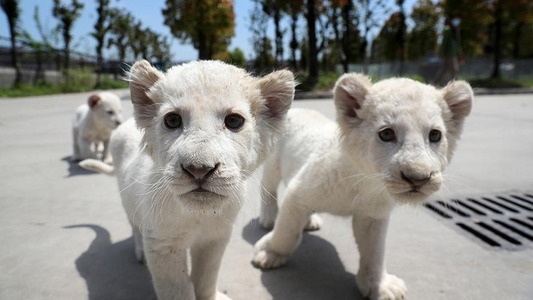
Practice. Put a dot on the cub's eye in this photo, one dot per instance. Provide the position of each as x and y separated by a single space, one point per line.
234 121
435 136
110 112
387 135
172 121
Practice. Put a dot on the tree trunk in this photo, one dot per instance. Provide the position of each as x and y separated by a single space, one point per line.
338 39
14 56
99 64
203 48
294 41
313 50
346 37
279 36
39 72
497 40
67 48
401 37
516 39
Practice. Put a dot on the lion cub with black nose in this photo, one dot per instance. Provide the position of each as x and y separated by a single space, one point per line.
390 144
199 131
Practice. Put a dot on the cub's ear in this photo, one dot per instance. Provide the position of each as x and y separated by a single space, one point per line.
93 100
349 93
277 90
458 96
142 77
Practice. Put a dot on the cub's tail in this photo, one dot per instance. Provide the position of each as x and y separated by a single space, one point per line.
97 166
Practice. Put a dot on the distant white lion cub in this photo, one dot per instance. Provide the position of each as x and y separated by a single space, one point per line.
390 144
93 123
199 131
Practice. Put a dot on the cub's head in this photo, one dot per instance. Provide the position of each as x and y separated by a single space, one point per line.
106 109
208 125
401 130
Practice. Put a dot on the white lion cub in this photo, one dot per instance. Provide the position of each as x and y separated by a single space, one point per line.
391 142
198 132
93 123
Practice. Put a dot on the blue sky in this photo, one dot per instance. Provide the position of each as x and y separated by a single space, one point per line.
148 12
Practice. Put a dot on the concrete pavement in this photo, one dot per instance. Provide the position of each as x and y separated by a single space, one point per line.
63 234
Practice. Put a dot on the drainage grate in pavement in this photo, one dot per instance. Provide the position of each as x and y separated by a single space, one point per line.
498 221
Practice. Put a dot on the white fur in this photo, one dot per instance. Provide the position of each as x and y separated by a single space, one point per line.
344 168
159 168
93 123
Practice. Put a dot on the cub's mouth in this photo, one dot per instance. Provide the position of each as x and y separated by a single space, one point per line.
407 193
202 192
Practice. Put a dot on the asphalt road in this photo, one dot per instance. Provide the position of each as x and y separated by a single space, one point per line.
63 234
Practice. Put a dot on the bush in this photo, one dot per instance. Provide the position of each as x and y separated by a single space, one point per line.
76 80
79 79
108 83
494 83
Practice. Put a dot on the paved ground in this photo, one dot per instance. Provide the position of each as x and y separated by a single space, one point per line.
63 234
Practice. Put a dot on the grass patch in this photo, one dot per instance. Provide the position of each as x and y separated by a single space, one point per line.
494 83
326 81
77 80
108 83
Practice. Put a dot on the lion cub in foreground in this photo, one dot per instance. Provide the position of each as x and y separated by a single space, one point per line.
391 142
198 132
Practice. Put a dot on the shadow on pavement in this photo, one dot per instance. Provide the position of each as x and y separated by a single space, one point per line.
111 271
74 169
314 270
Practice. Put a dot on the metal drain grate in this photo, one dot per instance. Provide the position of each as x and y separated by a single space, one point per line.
499 221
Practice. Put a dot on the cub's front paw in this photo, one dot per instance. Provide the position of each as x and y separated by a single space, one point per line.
389 288
314 223
265 258
222 296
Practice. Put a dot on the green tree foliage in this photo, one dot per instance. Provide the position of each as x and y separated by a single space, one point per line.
12 10
294 9
385 46
422 39
475 19
262 45
237 58
369 13
347 38
101 28
120 32
311 16
275 9
43 49
515 21
160 51
67 15
208 24
138 40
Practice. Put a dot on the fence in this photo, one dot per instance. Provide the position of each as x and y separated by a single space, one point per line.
428 68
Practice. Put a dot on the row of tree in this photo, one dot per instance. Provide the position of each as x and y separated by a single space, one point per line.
114 28
340 31
336 31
